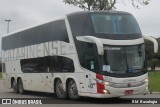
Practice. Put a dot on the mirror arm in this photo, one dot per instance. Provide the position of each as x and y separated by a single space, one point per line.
154 42
95 40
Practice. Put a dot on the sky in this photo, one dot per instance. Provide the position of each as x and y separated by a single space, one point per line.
26 13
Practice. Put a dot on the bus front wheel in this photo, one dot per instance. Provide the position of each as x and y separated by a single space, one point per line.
72 90
60 90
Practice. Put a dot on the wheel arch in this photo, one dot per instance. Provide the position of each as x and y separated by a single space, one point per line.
18 79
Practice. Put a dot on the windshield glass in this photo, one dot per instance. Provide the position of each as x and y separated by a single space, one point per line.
115 24
122 60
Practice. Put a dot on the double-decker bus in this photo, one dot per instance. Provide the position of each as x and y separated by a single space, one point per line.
97 54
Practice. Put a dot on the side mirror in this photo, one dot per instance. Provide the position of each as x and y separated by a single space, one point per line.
154 42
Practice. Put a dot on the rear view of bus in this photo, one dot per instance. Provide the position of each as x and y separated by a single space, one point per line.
111 48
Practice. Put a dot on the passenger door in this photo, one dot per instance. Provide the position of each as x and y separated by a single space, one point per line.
90 66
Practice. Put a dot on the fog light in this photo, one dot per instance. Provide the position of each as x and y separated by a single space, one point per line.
146 88
146 80
106 92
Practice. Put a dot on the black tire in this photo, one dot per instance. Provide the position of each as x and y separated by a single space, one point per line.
14 86
20 86
59 90
72 90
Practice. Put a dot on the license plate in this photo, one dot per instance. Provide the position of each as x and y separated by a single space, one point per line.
128 92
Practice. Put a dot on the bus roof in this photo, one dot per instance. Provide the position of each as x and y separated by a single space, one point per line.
27 36
70 14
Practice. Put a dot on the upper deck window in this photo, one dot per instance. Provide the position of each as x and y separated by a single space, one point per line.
52 31
115 24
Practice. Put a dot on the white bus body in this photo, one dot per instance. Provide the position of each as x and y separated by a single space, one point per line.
71 56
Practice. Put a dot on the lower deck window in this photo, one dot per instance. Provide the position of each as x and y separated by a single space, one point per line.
47 64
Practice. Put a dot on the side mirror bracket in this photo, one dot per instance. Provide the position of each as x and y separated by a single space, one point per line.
95 40
154 42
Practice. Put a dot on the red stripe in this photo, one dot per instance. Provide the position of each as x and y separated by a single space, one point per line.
100 88
100 77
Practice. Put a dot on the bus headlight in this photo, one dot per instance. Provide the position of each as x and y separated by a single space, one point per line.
106 83
106 92
103 82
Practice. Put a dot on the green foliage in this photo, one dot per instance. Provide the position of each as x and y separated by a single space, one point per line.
0 75
0 67
153 60
154 81
149 50
103 4
153 63
158 54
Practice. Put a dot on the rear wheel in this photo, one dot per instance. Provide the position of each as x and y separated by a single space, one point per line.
59 90
72 90
20 86
14 86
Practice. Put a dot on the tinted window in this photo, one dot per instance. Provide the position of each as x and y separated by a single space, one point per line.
52 31
122 60
47 64
115 24
80 24
87 55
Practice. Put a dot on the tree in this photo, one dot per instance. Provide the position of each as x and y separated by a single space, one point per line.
153 63
158 54
149 50
0 66
153 60
103 4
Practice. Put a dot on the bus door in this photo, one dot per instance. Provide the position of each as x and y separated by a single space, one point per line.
49 83
90 65
40 82
43 82
89 74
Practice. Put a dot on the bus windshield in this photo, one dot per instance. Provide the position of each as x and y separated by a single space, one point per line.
120 60
115 24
